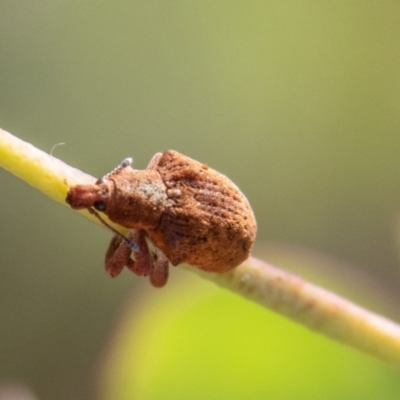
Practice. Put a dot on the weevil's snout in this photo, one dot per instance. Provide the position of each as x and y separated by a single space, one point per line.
85 196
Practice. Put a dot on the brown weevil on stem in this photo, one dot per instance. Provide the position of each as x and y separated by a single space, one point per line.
191 213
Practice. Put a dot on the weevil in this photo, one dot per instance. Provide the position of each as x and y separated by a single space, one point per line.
189 212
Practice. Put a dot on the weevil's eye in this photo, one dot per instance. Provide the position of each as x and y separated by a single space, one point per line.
100 205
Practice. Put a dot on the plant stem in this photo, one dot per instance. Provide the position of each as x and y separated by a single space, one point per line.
278 290
318 309
41 170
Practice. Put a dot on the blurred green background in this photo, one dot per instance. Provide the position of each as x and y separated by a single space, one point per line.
297 102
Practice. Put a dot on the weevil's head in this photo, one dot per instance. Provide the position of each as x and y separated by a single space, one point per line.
96 195
131 198
85 196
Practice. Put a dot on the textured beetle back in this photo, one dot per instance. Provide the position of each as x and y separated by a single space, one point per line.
207 222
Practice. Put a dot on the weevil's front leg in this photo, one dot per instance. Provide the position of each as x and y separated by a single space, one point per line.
143 260
159 272
119 254
154 161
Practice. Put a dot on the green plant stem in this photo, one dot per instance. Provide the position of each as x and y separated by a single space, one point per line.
278 290
41 170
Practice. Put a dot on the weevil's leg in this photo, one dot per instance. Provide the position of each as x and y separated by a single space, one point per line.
159 273
117 255
154 161
142 264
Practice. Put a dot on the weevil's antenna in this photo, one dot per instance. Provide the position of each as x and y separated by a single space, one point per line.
132 245
125 163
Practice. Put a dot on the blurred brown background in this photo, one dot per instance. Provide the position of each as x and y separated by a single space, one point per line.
297 102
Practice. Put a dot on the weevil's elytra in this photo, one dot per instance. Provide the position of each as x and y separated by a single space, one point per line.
191 213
